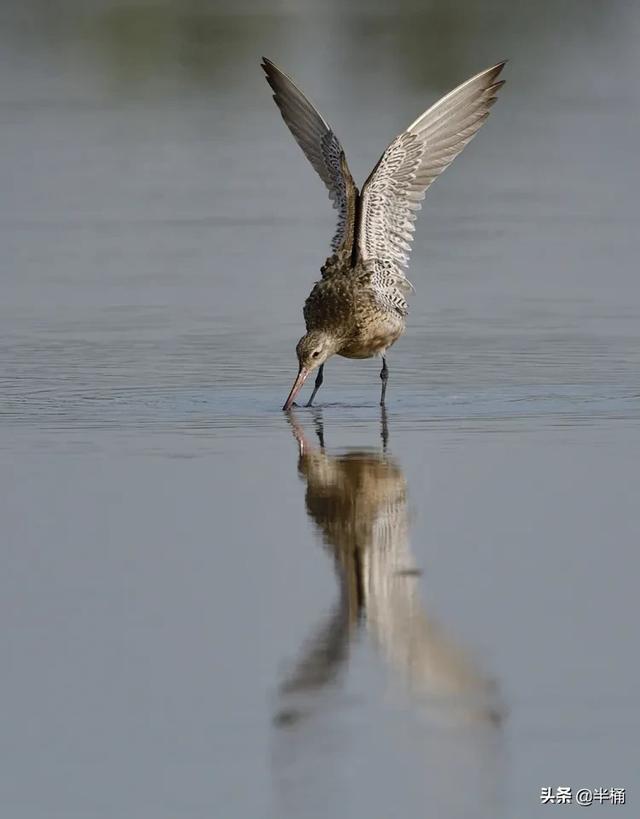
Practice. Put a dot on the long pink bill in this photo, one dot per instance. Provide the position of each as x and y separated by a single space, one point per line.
297 386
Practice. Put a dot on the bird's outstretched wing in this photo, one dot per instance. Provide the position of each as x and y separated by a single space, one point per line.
321 147
392 194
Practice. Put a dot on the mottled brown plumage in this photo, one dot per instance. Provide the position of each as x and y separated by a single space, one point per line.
345 307
358 309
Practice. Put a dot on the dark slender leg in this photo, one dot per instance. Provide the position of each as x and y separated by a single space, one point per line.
317 420
384 429
317 386
384 375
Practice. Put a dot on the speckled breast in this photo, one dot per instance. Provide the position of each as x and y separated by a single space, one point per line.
373 338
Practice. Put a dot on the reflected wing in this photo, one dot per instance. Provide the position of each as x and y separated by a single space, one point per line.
393 192
321 147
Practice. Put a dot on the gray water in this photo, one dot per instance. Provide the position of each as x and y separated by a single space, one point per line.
204 614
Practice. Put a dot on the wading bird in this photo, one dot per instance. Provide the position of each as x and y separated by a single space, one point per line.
358 309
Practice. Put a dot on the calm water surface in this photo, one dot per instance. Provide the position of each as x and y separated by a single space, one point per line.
212 610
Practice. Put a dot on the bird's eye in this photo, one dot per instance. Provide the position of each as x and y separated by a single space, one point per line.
315 354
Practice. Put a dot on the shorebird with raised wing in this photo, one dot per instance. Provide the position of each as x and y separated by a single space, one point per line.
358 309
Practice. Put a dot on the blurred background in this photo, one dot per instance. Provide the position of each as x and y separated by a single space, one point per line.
181 635
141 149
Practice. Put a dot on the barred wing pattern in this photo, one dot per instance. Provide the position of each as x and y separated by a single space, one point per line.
392 194
321 147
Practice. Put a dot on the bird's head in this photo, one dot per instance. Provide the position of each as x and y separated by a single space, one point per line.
312 350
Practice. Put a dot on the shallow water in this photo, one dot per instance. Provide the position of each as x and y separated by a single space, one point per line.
204 613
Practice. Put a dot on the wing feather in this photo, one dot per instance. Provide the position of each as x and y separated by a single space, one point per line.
321 147
392 194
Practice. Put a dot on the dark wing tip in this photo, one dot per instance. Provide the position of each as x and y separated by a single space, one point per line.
270 69
494 71
273 76
499 66
492 75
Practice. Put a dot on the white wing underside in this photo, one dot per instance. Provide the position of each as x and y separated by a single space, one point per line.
392 194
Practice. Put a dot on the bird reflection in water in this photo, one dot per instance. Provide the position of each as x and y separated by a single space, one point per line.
358 502
442 745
